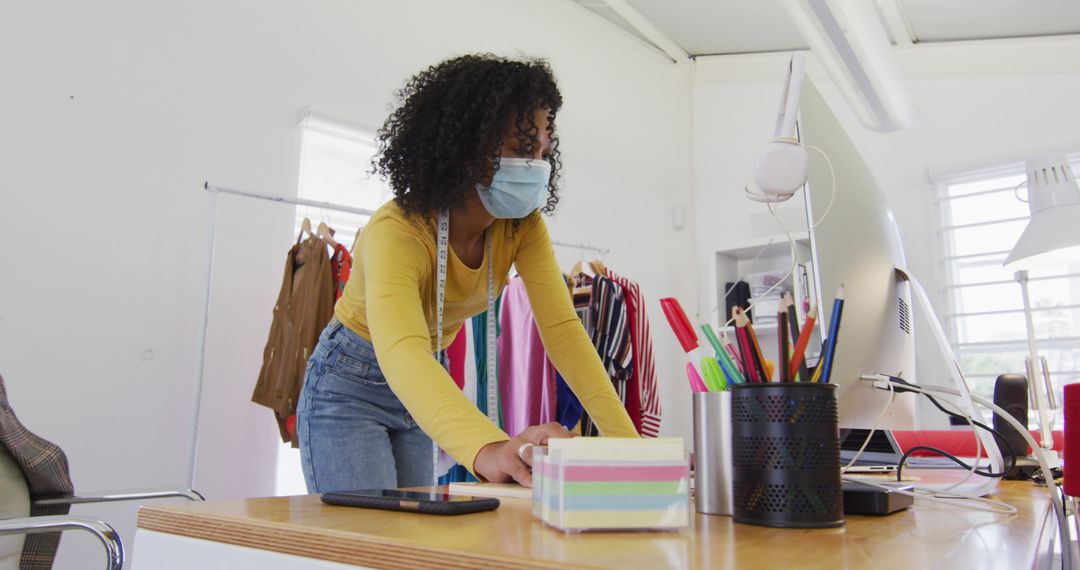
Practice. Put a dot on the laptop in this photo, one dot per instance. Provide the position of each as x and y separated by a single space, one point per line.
885 452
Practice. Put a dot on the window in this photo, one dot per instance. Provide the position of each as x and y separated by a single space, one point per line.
982 216
335 167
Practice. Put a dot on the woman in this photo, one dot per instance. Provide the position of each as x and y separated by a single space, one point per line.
472 145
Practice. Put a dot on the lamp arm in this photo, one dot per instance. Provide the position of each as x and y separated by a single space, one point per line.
1037 373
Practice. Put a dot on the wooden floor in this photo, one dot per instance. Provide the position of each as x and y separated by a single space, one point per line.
928 536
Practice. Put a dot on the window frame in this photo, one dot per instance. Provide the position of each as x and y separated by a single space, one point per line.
952 288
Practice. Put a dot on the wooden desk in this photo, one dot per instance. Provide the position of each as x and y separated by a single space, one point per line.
928 536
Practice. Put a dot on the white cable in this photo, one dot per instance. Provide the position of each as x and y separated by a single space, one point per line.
997 507
832 195
1040 456
788 231
877 422
790 272
869 436
978 455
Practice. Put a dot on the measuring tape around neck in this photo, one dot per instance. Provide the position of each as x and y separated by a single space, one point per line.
492 403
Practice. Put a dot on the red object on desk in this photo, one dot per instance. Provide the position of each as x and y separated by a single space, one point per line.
960 443
1072 429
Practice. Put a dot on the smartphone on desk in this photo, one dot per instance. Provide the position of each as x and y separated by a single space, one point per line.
411 501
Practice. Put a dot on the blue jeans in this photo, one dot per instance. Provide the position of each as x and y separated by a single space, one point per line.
354 432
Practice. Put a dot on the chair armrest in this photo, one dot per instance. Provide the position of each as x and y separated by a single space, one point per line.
112 496
114 548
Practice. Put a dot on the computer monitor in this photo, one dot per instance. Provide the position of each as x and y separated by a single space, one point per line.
858 245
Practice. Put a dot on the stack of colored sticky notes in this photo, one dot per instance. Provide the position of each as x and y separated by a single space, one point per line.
588 483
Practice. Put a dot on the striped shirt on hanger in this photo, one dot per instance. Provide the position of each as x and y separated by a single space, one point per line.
643 380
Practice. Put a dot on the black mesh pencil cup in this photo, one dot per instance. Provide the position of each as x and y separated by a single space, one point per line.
786 455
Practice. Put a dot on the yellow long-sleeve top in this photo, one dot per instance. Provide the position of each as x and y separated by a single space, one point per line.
390 300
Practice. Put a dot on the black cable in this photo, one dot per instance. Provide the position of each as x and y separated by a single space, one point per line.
1000 438
1010 452
957 460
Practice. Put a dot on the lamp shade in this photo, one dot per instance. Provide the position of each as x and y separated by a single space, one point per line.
1053 234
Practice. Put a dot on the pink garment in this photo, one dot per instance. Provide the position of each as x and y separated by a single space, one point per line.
456 353
526 376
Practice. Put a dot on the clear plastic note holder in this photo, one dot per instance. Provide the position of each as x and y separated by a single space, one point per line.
580 494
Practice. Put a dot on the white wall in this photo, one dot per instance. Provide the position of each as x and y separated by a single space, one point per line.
114 114
981 103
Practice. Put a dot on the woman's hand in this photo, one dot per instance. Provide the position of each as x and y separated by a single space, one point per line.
539 435
499 462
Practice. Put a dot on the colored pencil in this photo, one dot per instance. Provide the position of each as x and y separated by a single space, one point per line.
817 369
834 336
782 338
733 352
756 349
744 349
793 326
798 361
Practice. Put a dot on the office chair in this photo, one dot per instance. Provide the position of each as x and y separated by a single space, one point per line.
36 494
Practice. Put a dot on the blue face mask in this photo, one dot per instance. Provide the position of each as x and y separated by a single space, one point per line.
518 187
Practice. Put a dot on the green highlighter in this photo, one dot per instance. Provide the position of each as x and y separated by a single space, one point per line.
714 375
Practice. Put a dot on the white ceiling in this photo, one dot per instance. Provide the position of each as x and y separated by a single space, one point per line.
707 27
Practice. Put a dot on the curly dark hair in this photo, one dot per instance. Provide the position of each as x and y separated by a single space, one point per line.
446 133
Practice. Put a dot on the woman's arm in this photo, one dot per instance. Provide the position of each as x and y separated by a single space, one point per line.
396 262
565 340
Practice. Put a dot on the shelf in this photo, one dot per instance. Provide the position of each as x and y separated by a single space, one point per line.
779 246
757 327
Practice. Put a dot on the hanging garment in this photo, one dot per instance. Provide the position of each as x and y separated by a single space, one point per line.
479 338
580 286
304 306
610 332
611 337
463 363
526 376
568 408
340 268
643 397
456 353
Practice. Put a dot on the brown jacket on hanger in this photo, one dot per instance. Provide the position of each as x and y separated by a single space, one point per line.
304 306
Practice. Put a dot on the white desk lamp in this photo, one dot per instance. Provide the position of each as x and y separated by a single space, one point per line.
1052 237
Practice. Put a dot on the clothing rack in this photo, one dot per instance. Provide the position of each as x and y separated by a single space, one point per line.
204 313
584 247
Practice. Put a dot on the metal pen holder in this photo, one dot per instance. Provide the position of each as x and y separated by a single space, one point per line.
786 455
712 453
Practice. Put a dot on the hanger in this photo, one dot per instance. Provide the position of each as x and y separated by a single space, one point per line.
598 267
305 227
581 269
326 234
